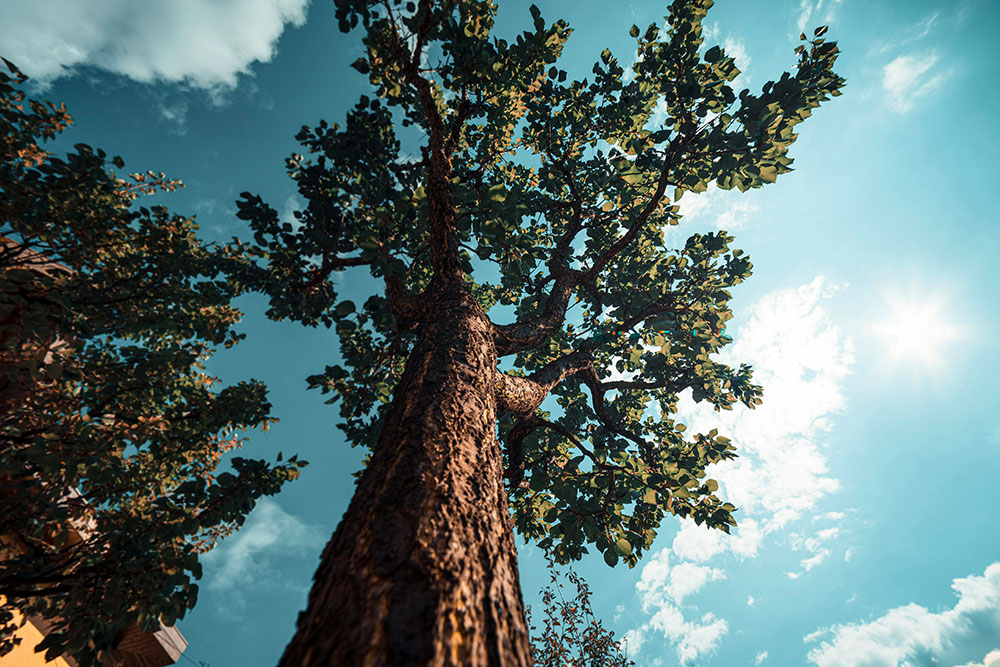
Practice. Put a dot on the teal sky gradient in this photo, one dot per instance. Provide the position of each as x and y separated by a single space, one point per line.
868 482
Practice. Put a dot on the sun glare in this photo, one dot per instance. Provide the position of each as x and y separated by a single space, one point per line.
917 331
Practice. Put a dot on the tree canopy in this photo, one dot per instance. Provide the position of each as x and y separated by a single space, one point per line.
111 430
479 159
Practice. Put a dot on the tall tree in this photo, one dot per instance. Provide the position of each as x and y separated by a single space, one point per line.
529 194
110 431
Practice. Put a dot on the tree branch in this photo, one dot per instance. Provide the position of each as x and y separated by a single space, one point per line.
512 338
444 240
523 395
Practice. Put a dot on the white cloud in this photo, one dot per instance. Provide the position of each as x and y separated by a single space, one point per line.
688 578
698 543
700 638
801 359
736 48
175 113
992 659
848 555
205 44
750 600
912 34
662 589
245 557
693 638
634 639
908 78
722 209
813 13
816 634
809 563
814 545
660 582
761 657
912 635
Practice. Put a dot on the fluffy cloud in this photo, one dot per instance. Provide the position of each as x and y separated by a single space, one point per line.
661 583
908 78
662 589
205 44
814 545
245 558
761 657
801 359
911 635
693 638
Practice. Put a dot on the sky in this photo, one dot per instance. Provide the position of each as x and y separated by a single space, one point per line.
867 482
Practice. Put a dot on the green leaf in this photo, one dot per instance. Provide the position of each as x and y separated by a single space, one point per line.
497 193
611 557
623 547
361 65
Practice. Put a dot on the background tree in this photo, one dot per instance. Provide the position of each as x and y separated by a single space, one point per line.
522 254
571 635
110 431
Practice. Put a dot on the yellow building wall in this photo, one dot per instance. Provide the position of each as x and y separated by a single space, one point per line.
24 654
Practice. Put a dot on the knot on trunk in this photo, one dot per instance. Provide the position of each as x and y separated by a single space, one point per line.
519 395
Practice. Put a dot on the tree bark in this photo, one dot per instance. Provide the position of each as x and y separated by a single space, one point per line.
422 569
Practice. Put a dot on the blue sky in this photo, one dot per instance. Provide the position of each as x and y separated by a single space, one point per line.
867 481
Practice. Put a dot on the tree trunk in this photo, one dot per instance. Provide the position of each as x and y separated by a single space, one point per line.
422 569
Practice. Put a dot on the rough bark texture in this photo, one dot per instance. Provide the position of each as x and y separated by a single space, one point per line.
422 569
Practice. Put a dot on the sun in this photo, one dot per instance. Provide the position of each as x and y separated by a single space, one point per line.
917 330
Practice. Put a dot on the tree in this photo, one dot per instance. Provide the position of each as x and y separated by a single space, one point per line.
110 431
571 635
530 194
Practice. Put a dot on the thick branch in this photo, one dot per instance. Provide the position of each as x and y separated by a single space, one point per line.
444 240
512 338
515 448
640 220
523 395
406 308
597 391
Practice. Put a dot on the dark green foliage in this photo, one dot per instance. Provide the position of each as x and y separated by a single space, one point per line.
550 195
110 430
